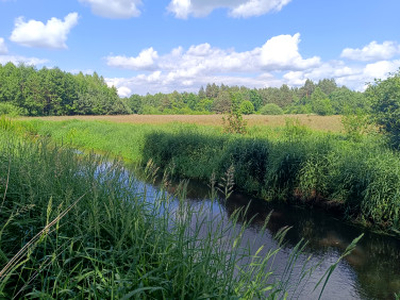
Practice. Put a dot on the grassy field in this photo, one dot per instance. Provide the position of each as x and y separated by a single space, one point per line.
323 123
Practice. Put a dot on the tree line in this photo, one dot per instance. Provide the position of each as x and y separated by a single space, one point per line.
322 98
24 90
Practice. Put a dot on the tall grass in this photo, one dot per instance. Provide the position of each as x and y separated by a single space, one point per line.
357 177
78 226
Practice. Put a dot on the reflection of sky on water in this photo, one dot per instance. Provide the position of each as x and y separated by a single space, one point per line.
370 272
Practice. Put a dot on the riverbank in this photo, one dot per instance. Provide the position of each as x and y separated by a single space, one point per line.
359 178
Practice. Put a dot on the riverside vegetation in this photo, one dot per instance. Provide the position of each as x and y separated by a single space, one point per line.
75 226
356 175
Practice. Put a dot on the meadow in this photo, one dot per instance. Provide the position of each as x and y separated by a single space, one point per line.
315 122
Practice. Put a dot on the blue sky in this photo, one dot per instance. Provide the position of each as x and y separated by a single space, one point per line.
143 46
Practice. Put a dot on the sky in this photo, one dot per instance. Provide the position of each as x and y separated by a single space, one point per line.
151 46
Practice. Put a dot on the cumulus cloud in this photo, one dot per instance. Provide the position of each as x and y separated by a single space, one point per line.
157 82
355 77
182 9
3 47
115 9
373 51
278 53
203 63
278 61
51 35
124 91
144 61
282 53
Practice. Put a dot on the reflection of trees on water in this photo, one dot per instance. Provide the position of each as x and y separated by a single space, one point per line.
376 259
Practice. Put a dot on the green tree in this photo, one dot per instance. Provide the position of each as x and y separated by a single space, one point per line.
223 102
385 98
256 99
234 122
271 109
327 86
320 103
247 108
135 103
345 101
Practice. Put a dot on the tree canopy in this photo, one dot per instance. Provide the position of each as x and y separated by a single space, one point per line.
25 90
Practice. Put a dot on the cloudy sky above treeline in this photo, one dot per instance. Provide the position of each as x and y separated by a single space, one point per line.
149 46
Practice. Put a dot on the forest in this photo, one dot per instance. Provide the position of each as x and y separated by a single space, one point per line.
27 91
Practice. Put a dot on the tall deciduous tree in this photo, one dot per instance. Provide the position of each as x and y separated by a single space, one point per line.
385 98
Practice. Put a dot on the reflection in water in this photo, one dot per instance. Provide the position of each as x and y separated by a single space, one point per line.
371 271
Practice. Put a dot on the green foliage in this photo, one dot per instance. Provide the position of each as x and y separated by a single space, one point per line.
271 109
48 92
385 98
246 107
54 92
11 110
320 103
357 124
234 123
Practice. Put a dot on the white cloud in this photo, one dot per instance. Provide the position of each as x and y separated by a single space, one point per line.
282 53
201 64
257 8
15 59
182 9
353 76
278 53
381 69
3 47
124 91
144 61
277 62
373 51
155 83
51 35
114 9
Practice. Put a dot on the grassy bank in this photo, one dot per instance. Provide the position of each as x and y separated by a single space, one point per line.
359 177
74 226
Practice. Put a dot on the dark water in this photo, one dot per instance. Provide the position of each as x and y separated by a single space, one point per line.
371 271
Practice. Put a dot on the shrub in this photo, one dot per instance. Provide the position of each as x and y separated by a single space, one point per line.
247 108
11 110
271 109
385 98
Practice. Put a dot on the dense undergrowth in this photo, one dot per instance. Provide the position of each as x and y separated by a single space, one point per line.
79 227
358 176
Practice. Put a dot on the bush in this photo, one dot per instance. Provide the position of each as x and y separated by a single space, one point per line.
247 108
385 98
271 109
11 110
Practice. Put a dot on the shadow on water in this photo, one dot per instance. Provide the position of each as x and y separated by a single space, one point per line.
371 271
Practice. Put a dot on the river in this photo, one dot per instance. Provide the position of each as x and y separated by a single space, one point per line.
371 271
